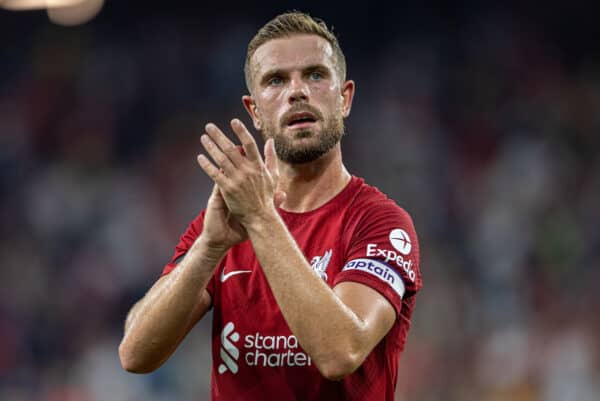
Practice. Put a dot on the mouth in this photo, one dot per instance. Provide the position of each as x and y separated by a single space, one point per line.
301 120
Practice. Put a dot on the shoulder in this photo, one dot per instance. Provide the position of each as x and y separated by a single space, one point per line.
370 204
383 234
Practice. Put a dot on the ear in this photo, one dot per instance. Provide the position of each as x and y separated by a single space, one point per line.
347 96
250 106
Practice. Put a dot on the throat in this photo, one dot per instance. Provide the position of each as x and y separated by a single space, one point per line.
309 196
311 185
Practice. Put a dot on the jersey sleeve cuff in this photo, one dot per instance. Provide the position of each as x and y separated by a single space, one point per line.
361 277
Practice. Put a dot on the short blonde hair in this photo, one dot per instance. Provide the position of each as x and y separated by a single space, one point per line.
289 24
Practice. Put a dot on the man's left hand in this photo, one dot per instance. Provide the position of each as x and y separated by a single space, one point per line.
248 184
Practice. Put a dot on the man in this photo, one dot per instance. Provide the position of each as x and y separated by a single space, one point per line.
311 273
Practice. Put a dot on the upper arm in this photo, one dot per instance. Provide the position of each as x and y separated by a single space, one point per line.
383 255
375 312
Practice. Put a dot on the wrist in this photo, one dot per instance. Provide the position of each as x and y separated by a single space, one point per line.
209 251
261 221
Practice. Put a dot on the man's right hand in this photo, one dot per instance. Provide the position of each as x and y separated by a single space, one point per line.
168 311
221 230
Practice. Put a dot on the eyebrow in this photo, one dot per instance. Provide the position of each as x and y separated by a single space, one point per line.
282 71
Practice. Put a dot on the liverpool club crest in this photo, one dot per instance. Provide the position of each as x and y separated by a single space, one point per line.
319 264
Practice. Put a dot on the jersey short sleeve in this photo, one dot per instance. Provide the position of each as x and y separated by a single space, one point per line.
383 253
185 242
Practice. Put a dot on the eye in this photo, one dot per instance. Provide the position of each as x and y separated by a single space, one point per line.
275 81
316 76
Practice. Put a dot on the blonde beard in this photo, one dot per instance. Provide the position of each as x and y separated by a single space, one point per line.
332 133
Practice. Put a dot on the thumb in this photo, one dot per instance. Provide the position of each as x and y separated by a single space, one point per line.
271 164
271 159
215 197
215 191
279 198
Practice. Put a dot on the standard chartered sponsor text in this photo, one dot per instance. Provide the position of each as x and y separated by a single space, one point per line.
274 351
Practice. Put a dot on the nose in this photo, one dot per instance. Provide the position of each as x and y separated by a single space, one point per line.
298 91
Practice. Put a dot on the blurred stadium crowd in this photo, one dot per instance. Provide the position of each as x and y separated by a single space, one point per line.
488 136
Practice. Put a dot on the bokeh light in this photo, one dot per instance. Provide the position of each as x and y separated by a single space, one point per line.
18 5
75 14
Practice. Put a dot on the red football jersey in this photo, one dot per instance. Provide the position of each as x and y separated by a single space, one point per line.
360 235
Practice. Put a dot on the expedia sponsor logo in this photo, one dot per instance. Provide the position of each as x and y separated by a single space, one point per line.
388 255
259 350
401 241
379 270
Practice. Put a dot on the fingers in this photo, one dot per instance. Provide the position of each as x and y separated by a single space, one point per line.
222 160
224 144
246 139
212 171
227 156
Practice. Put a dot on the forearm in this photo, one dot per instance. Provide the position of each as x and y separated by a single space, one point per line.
160 320
327 329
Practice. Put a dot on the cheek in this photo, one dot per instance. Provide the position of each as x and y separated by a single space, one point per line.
329 93
272 95
335 101
265 114
268 103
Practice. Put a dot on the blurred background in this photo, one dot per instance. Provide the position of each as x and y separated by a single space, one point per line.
481 121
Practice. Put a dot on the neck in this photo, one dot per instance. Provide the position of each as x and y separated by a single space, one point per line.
310 185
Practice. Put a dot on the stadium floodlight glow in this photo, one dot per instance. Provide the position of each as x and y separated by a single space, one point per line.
76 14
19 5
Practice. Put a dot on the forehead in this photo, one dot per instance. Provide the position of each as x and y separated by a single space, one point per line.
292 53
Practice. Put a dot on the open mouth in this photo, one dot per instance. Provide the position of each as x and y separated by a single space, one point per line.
301 120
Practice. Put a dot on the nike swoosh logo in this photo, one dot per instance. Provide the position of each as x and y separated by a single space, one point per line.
224 276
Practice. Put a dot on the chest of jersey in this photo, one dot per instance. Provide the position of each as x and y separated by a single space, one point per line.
250 331
255 355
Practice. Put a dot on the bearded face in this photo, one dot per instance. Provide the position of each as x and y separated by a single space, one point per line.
298 97
304 134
